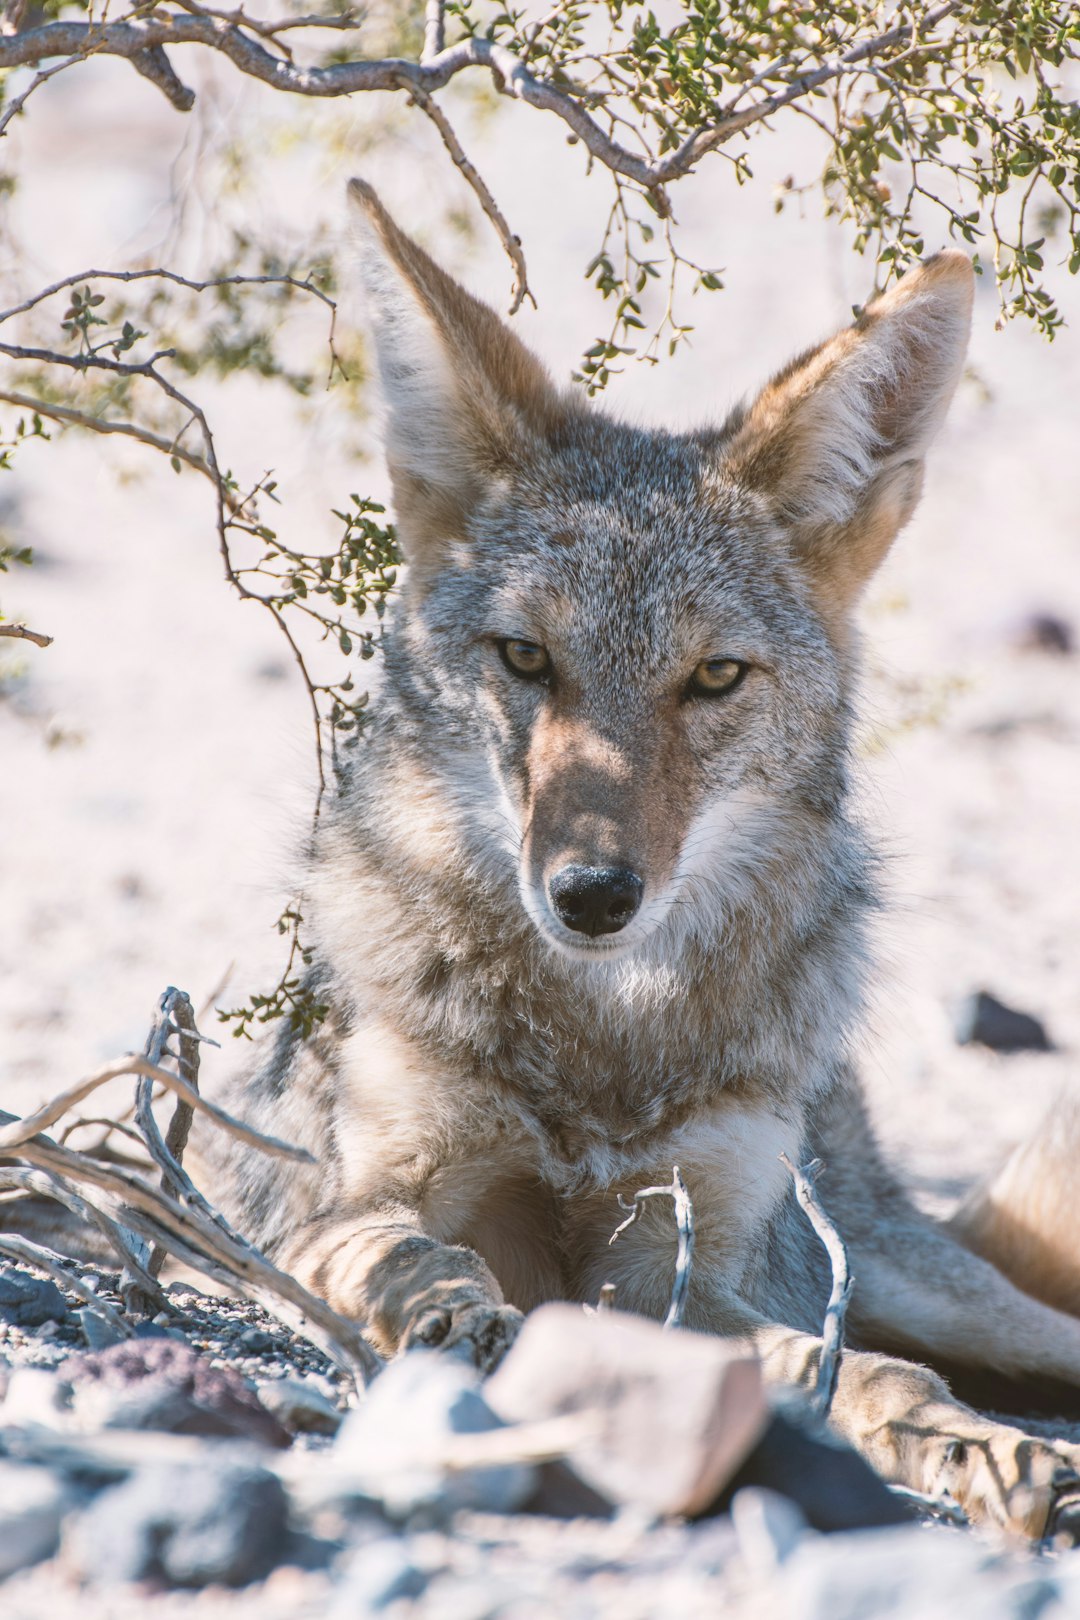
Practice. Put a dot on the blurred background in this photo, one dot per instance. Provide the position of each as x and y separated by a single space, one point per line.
156 762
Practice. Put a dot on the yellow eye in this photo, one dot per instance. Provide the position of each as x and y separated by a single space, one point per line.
525 658
716 676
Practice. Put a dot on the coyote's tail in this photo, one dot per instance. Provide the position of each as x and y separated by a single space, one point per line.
1026 1218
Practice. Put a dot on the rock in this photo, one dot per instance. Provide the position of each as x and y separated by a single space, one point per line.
29 1302
982 1019
769 1528
32 1503
403 1446
255 1341
34 1395
830 1484
300 1406
896 1574
185 1525
379 1574
1045 632
666 1417
160 1384
97 1332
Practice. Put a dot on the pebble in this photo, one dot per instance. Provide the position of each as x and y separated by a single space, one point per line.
217 1522
29 1301
982 1019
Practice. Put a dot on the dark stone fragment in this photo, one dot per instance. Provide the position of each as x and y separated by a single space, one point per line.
220 1522
984 1020
559 1493
1047 633
831 1484
255 1341
29 1302
161 1384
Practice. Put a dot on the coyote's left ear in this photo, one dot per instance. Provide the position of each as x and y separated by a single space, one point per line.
836 442
464 397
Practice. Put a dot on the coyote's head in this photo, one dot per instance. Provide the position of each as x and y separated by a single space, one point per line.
628 650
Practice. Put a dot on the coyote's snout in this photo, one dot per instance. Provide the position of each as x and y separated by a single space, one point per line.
591 901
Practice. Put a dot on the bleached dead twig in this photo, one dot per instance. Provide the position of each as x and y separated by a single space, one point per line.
138 1217
832 1331
14 1131
684 1221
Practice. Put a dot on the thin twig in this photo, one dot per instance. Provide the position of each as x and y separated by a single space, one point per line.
45 1184
510 241
684 1220
832 1332
19 632
14 1132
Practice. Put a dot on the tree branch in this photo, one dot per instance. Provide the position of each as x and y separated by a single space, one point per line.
134 36
19 632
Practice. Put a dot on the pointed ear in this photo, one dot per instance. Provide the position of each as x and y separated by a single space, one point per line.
464 398
836 442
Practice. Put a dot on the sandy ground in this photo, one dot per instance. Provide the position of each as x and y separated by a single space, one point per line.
155 761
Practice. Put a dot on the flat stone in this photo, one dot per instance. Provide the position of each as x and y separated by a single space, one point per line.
399 1447
300 1406
218 1522
29 1302
666 1417
982 1019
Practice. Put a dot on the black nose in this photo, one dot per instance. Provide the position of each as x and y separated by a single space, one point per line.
595 899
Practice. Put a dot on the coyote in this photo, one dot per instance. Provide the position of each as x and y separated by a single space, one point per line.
590 902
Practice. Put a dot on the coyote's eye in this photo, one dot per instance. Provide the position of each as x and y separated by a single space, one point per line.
714 677
525 659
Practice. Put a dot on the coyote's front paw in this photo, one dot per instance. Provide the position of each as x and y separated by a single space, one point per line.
480 1334
1003 1477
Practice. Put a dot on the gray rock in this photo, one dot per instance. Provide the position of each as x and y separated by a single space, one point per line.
909 1574
32 1503
982 1019
380 1573
768 1526
186 1525
300 1406
27 1301
402 1446
97 1331
666 1418
160 1384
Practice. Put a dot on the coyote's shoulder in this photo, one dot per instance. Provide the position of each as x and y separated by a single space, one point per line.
590 900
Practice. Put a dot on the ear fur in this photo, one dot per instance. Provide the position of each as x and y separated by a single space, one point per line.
836 441
464 396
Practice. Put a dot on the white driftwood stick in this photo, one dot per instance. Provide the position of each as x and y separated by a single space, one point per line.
832 1332
684 1221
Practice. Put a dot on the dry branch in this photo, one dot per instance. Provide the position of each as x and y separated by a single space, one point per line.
684 1221
19 632
138 1217
134 37
832 1332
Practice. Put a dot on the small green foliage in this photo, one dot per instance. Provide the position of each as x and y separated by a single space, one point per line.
293 997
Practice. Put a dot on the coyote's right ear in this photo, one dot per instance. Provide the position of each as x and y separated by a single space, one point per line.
464 396
835 444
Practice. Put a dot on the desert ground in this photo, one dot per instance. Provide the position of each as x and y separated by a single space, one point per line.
156 761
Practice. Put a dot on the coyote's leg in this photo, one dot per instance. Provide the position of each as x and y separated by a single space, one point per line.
1025 1218
378 1266
904 1421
